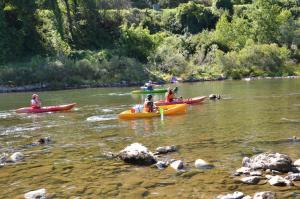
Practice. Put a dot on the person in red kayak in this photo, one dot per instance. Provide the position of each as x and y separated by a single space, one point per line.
170 95
35 101
149 104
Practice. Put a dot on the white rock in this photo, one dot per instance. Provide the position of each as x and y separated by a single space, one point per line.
247 197
17 156
269 177
256 173
251 180
264 195
297 163
177 165
279 181
235 195
293 177
202 164
243 170
37 194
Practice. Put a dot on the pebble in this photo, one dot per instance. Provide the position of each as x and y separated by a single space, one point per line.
279 181
264 195
255 173
243 170
297 163
177 165
161 165
16 157
166 149
202 164
235 195
251 180
37 194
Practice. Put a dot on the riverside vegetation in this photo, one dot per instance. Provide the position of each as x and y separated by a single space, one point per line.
62 43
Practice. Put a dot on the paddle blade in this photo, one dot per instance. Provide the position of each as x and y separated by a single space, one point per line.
161 111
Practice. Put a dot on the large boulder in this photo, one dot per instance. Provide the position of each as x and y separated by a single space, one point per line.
137 154
264 195
273 161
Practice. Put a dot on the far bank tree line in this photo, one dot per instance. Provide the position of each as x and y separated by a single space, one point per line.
71 42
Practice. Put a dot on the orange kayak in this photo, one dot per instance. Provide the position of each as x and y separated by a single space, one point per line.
168 110
46 109
193 100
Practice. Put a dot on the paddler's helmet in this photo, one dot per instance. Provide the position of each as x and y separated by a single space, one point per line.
34 96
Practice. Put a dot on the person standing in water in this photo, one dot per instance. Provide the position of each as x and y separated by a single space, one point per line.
35 101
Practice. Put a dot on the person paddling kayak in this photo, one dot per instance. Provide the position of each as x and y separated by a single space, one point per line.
149 104
170 95
149 85
35 101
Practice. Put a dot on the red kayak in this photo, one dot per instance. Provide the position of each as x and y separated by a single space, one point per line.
46 109
193 100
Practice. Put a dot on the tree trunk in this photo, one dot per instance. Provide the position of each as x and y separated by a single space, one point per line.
70 21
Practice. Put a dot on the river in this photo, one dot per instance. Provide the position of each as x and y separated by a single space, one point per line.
252 117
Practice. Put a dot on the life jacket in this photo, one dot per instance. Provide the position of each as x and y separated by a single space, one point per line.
170 97
34 104
148 106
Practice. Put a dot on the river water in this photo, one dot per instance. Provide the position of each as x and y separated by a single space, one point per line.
252 117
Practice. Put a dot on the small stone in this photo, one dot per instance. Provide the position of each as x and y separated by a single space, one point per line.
161 165
293 177
3 158
235 195
264 195
279 181
256 173
297 163
251 180
177 165
247 197
45 140
269 177
166 149
214 96
243 170
202 164
16 157
268 171
37 194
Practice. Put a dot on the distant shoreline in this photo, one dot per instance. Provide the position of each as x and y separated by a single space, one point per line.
44 87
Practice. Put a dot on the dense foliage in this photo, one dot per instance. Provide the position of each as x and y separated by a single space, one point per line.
72 42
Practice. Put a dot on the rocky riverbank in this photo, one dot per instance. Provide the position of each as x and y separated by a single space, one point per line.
48 87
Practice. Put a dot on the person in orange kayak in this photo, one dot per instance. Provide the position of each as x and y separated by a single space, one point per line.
35 101
170 95
149 104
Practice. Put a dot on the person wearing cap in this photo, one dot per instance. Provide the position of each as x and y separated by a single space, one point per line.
149 104
35 101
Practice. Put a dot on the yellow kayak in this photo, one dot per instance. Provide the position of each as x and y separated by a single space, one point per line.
168 110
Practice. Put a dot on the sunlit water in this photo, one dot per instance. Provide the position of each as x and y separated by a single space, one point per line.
252 117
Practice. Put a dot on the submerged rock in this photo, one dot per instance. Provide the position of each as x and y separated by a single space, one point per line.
251 180
235 195
16 157
37 194
264 195
279 181
137 154
177 165
166 149
214 96
293 177
273 161
45 140
202 164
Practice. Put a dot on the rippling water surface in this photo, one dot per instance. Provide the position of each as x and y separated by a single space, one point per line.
253 117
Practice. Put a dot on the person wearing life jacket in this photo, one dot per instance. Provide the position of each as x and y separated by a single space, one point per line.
35 101
149 104
170 95
149 86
